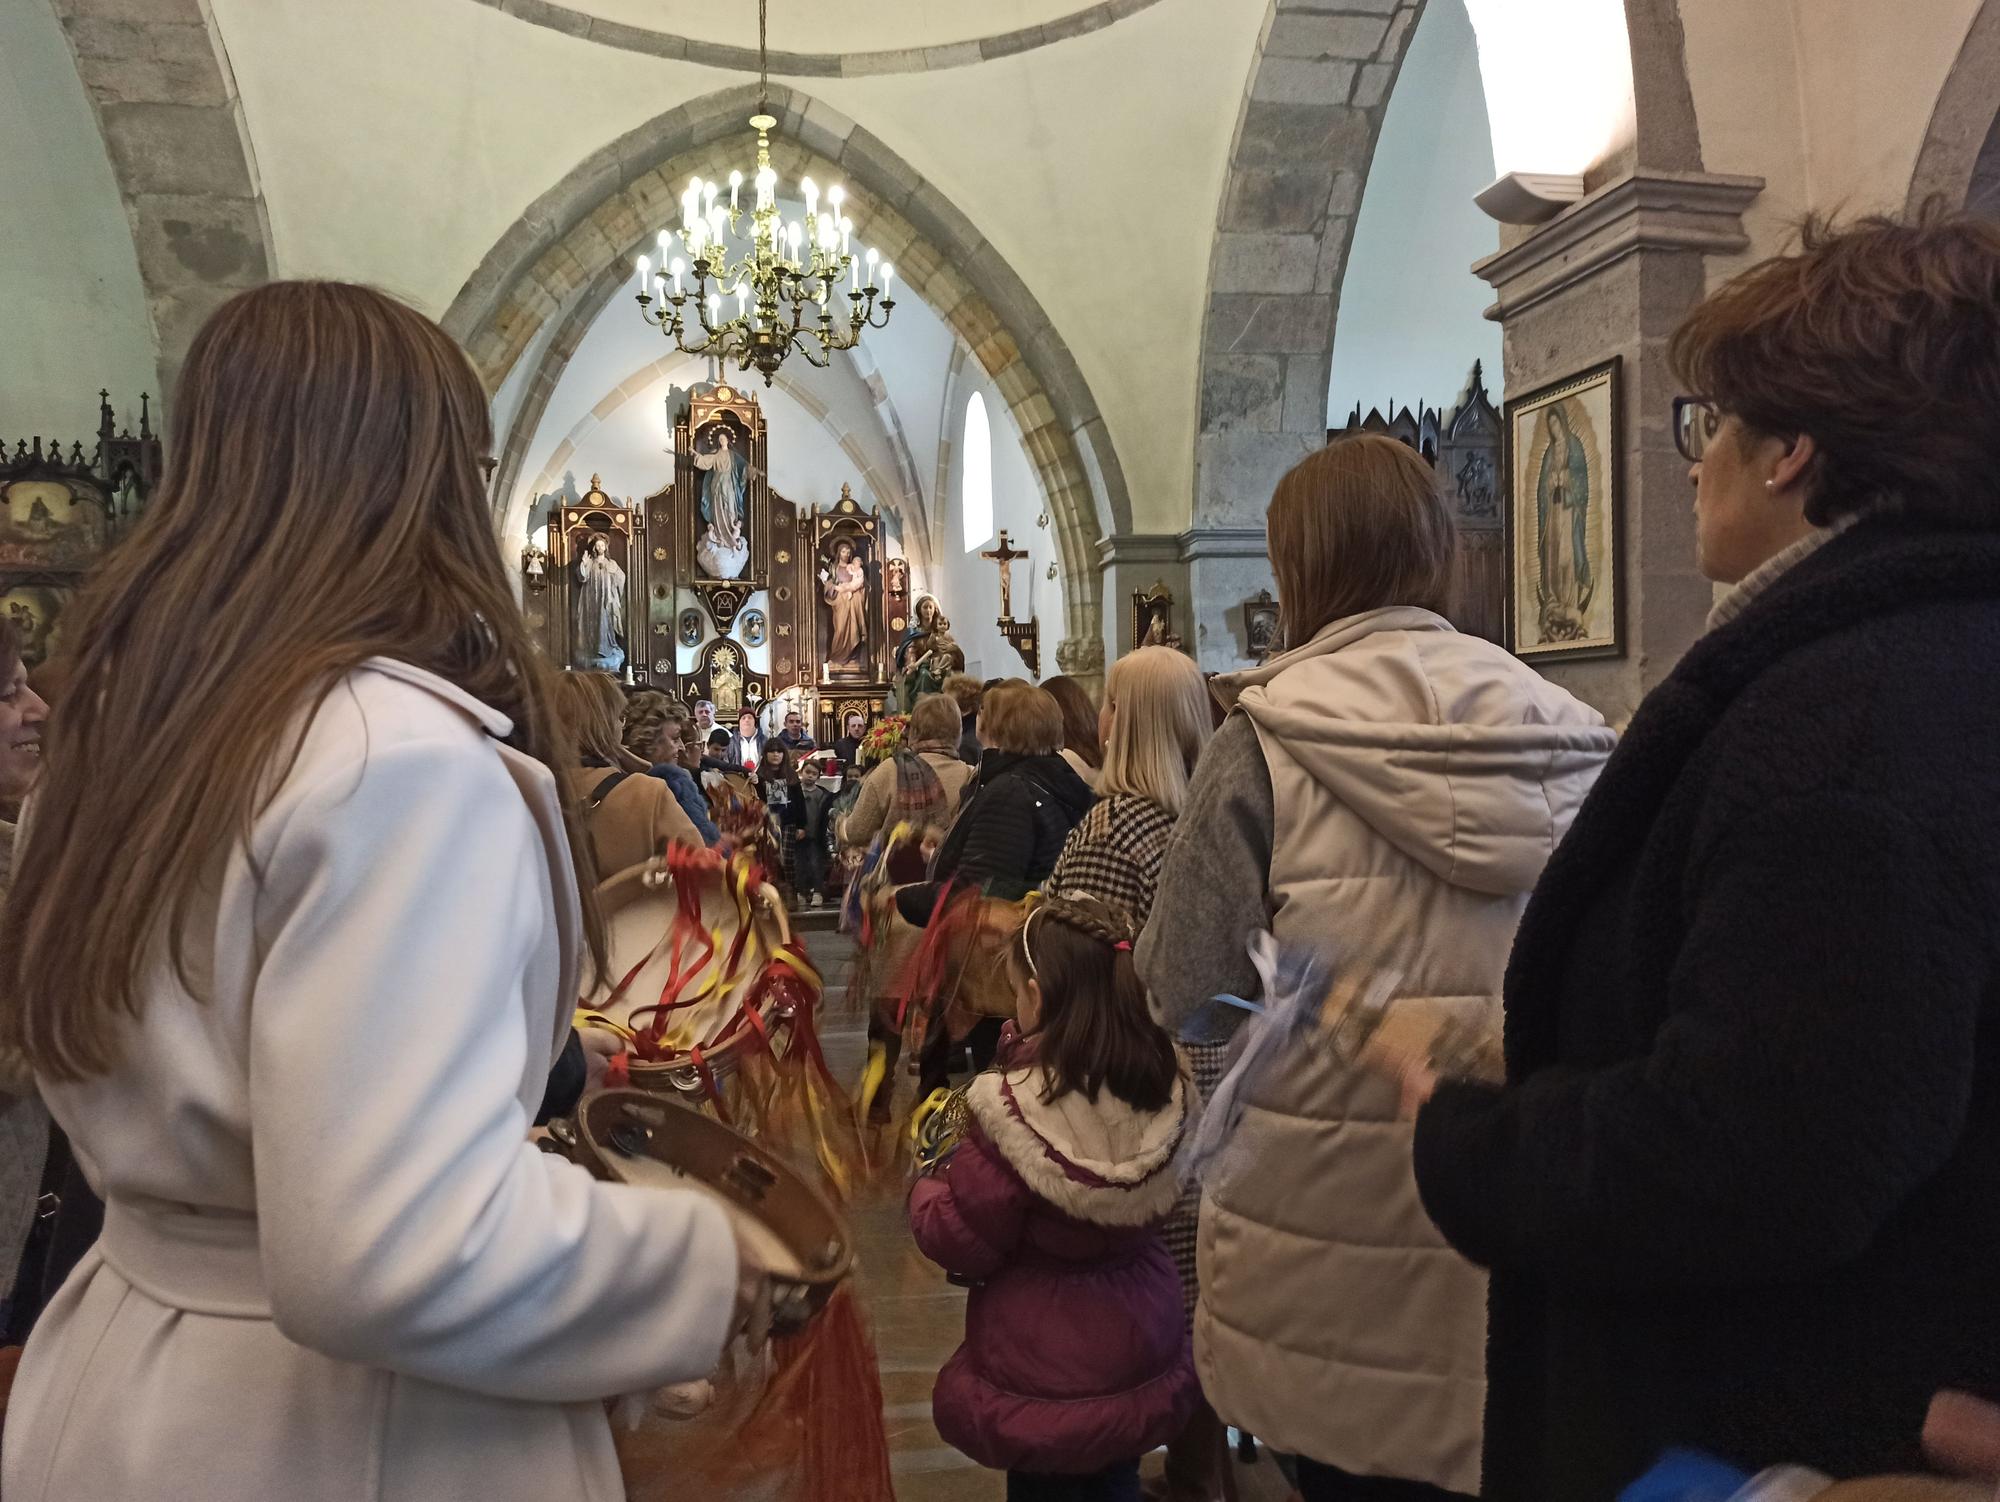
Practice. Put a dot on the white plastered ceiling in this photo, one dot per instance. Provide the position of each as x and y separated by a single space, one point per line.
398 139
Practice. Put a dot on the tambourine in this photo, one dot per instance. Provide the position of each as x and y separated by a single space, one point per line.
781 1220
937 1125
692 939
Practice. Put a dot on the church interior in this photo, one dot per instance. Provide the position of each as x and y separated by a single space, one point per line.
837 353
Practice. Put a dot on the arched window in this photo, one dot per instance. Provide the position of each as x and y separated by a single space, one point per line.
976 488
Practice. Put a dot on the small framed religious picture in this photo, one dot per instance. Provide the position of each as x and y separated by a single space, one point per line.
1153 617
1260 625
1565 519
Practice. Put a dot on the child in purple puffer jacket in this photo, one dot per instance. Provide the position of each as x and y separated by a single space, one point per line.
1076 1359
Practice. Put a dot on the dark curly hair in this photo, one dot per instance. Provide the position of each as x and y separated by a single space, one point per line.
1097 1032
1881 341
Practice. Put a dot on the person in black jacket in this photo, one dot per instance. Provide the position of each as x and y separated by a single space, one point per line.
1741 1190
1010 829
1024 802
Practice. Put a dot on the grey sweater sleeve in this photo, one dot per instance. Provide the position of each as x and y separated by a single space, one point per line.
1214 889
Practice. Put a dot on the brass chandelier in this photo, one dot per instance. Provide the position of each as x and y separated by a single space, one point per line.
787 281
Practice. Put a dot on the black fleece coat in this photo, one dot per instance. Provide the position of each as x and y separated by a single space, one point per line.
1742 1190
1008 833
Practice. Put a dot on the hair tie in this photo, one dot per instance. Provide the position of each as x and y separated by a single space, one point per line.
1123 946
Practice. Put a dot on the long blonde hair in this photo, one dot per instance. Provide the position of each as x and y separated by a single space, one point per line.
1159 724
323 504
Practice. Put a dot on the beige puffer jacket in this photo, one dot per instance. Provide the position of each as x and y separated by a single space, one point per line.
1423 777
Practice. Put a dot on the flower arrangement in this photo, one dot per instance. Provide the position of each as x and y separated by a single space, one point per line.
882 740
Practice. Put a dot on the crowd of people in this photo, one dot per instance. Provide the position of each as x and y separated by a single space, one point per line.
1708 1206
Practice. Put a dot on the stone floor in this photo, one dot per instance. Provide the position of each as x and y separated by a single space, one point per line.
918 1318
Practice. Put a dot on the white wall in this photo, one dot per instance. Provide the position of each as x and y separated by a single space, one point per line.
1827 100
72 310
1412 314
967 585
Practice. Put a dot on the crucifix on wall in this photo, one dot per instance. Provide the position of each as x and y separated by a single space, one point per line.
1025 635
1004 555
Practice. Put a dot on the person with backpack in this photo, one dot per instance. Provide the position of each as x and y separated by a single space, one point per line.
1024 803
631 817
922 785
917 792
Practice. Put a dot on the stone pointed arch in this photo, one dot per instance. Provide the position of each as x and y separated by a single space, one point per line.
1960 157
569 255
1305 136
159 80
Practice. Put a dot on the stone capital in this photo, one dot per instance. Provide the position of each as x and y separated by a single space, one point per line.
1660 211
1224 542
1081 657
1138 548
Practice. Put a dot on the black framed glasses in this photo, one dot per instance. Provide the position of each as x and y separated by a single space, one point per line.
1696 422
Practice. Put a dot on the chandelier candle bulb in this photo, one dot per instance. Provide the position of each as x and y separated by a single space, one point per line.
644 267
735 182
888 275
677 268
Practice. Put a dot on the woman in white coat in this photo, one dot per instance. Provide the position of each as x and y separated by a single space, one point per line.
292 982
1425 777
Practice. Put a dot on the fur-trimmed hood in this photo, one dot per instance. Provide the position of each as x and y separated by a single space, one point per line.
1098 1161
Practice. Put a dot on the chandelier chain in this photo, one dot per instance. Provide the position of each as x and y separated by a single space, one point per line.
763 56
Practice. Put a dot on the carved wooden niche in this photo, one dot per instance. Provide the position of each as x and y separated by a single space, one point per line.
1468 466
598 607
722 495
850 649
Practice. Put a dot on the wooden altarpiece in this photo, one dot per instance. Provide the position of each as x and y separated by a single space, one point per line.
1468 466
58 514
859 610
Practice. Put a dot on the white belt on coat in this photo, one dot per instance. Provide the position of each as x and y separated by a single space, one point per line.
200 1264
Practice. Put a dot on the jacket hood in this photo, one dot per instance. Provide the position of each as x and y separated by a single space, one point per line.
1099 1161
1051 774
1451 749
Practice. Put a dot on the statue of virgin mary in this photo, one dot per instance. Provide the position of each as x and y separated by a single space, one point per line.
721 549
597 610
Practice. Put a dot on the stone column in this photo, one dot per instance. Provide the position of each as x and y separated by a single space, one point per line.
1613 275
1226 566
1136 561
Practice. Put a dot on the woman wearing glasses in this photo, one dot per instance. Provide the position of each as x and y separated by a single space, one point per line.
1741 1191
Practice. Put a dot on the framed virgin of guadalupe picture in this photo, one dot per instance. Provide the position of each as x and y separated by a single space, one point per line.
1565 519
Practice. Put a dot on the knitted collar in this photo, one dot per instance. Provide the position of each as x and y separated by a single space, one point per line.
1765 574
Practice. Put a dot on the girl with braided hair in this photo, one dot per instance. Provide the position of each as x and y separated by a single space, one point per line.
1076 1359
